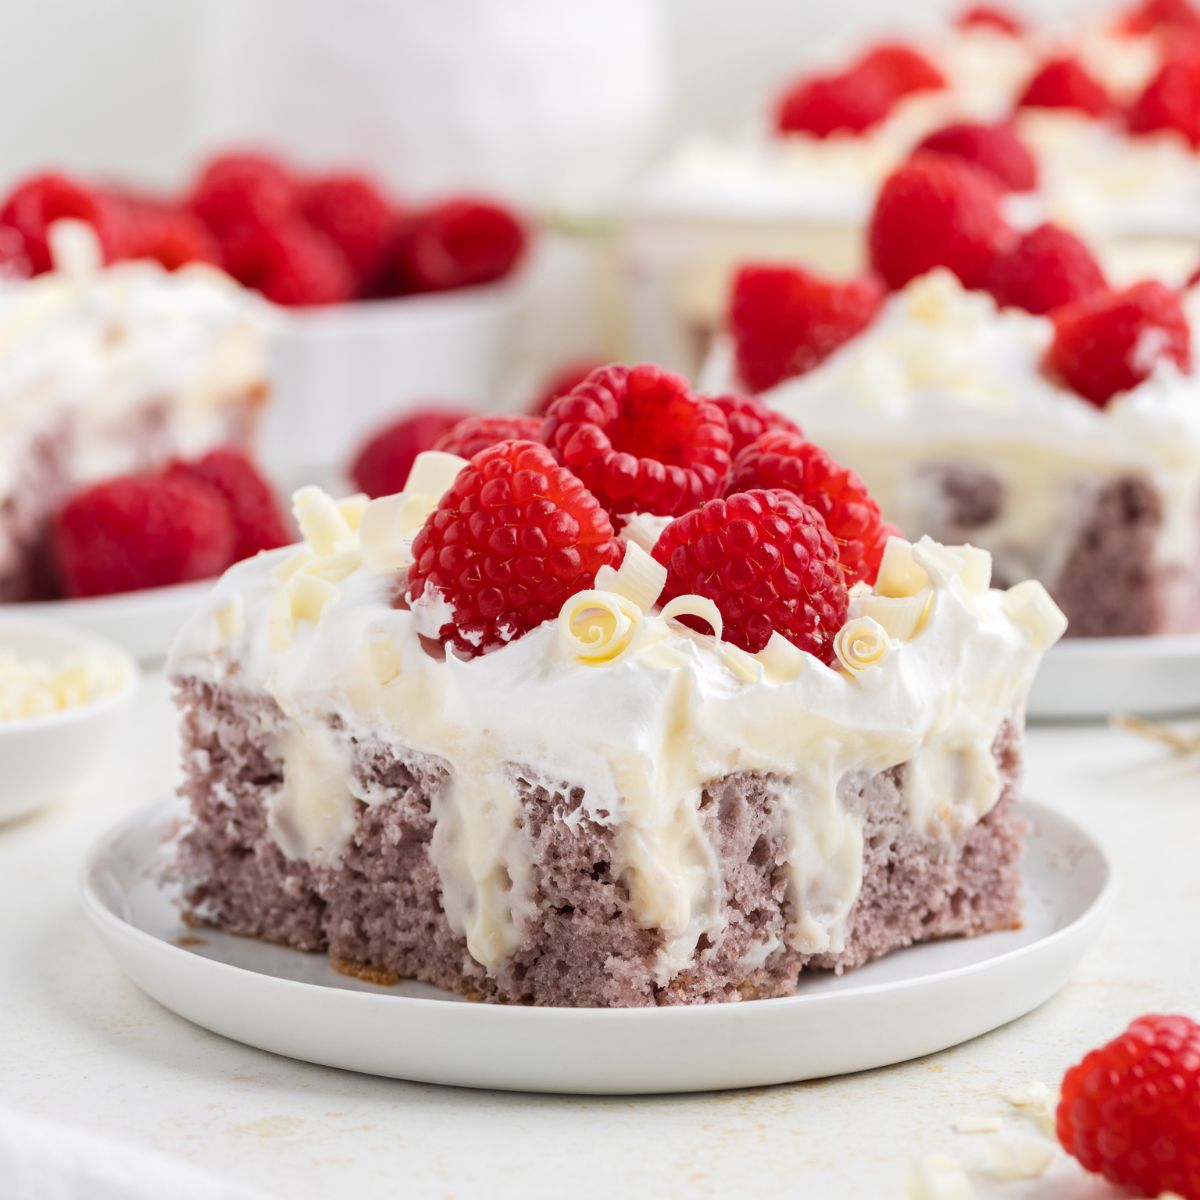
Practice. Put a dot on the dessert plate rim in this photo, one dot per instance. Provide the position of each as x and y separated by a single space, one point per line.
217 995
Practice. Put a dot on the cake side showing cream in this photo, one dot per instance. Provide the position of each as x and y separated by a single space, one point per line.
944 407
104 371
613 809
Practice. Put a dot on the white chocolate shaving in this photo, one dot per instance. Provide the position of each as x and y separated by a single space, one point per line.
34 687
75 248
281 625
743 664
309 595
644 530
335 567
978 1124
321 521
597 626
861 643
385 533
1039 1101
902 616
1029 604
639 578
899 572
432 473
352 508
938 1177
293 563
782 660
695 606
1019 1158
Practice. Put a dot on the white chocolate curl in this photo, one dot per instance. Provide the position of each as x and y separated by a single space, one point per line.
861 643
321 522
1029 604
75 248
596 626
699 607
899 573
902 616
782 660
639 578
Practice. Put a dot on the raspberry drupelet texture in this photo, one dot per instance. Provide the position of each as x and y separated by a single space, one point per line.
1130 1110
1065 83
767 562
1109 342
512 539
787 461
35 204
936 211
142 531
749 419
291 264
353 214
382 464
1047 268
240 190
784 321
640 440
995 149
565 379
482 430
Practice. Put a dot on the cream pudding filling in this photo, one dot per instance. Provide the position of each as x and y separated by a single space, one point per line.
625 707
946 380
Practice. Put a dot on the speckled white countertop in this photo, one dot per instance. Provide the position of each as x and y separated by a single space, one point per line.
79 1043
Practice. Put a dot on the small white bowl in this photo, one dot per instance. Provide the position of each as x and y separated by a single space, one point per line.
339 372
42 758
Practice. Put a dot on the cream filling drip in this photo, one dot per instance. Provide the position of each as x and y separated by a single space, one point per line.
640 727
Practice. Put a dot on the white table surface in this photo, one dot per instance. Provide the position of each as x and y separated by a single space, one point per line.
79 1043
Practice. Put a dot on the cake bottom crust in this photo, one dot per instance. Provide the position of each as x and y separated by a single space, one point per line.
378 913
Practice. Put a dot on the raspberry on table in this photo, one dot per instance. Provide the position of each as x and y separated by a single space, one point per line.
237 190
1065 83
1047 268
784 321
1109 342
565 379
383 462
935 211
989 16
513 538
789 462
258 517
900 69
37 202
640 440
481 430
768 563
353 214
171 237
463 242
1130 1111
749 419
1171 100
995 149
290 264
141 531
827 104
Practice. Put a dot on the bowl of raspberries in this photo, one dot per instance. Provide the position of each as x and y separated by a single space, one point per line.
375 299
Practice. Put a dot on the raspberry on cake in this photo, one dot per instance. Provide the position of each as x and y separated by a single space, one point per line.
1067 444
995 149
384 460
1045 269
482 430
644 789
111 371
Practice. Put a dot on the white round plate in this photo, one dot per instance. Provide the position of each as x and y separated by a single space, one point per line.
913 1002
1093 677
144 623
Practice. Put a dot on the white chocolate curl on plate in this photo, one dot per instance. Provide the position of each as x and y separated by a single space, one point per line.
861 643
699 607
596 626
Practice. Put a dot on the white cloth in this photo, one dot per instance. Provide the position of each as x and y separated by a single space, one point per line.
43 1160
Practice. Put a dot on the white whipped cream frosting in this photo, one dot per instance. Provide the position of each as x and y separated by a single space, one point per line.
84 350
944 378
623 702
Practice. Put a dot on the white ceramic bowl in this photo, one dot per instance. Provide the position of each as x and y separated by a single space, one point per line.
43 758
339 372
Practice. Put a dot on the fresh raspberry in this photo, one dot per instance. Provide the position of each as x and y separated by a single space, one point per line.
482 430
793 464
993 148
383 461
566 379
640 440
509 542
1064 83
290 264
900 69
172 237
141 531
785 321
1171 100
767 562
353 214
1109 342
988 16
258 520
14 259
935 211
239 190
1162 16
1130 1110
749 419
1047 268
36 203
460 243
828 104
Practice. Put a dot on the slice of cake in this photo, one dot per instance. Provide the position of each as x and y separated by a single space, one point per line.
467 735
1066 445
105 371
